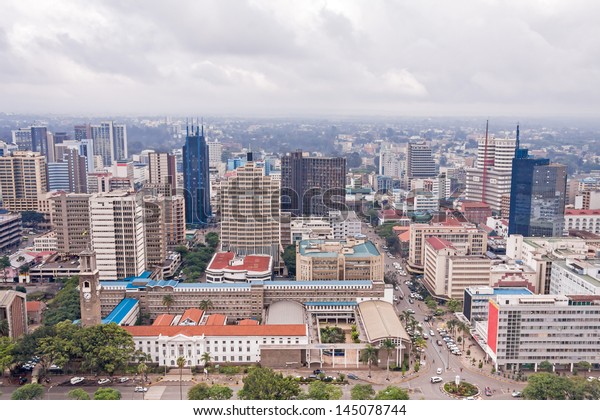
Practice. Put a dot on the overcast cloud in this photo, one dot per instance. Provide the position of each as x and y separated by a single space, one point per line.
530 58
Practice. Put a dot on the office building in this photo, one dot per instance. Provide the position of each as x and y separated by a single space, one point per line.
312 186
196 181
10 230
489 181
22 138
249 207
587 220
476 303
561 330
466 237
58 176
22 180
162 170
70 215
117 234
109 141
13 309
575 277
350 259
226 267
537 197
448 271
419 162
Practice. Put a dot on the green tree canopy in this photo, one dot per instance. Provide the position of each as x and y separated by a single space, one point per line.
220 392
106 347
212 239
78 394
362 392
547 386
332 335
319 390
289 258
62 346
199 392
107 394
29 392
65 304
7 346
392 393
454 305
264 384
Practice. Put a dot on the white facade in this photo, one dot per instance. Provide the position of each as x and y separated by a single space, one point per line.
575 277
587 220
45 242
117 234
230 343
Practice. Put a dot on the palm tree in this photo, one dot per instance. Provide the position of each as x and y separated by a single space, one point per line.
406 317
463 328
388 345
4 264
451 325
370 354
205 305
181 363
168 301
206 358
142 369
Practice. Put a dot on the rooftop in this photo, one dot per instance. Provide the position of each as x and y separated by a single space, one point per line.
218 330
163 320
120 312
439 243
380 321
285 312
574 212
332 248
228 261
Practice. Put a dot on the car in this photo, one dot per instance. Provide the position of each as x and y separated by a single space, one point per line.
488 391
312 376
457 353
426 337
439 342
591 379
123 380
436 379
410 311
469 398
517 394
410 300
439 371
352 376
103 381
432 333
77 380
141 389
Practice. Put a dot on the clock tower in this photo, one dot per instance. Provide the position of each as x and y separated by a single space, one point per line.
89 289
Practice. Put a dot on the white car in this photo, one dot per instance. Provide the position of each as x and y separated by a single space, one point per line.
141 389
123 380
103 381
436 379
77 379
439 371
432 333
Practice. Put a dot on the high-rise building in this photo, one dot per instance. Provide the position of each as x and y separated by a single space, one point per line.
249 206
489 182
22 180
60 137
70 215
196 178
215 152
162 170
22 138
110 141
537 197
39 139
117 234
83 131
419 161
13 311
312 186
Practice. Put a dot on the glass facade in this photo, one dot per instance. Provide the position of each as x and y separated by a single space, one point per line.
196 178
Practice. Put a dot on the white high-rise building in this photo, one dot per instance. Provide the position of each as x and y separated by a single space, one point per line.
500 153
110 141
117 234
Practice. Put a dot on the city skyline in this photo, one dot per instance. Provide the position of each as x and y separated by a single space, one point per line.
318 58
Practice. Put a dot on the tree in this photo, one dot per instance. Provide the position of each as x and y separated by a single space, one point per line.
546 365
332 335
106 347
24 269
547 386
62 346
212 239
388 345
370 355
7 346
206 358
430 302
289 258
319 390
199 392
206 305
29 392
21 289
168 301
392 393
4 264
78 394
31 218
180 364
407 317
65 305
265 384
454 305
142 370
4 328
220 392
362 392
107 394
463 328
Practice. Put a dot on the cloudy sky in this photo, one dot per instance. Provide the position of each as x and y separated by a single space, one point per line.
306 58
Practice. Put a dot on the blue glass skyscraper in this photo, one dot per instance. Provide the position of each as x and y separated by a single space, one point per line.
196 180
537 196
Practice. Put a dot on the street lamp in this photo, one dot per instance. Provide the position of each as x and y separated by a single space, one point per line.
48 393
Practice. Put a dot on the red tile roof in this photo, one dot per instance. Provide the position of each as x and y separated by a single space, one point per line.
248 322
217 330
193 314
164 319
439 243
216 319
34 306
573 212
473 205
404 236
222 260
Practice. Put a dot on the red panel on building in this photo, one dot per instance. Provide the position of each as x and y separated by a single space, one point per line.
492 337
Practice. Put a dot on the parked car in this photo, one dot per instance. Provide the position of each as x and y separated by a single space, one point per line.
410 311
141 389
488 391
436 379
439 371
103 381
317 371
431 333
77 380
123 380
517 394
352 376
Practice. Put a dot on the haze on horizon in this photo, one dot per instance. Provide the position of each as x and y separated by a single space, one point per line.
334 57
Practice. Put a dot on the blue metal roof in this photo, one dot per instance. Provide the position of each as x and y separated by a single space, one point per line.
162 283
121 311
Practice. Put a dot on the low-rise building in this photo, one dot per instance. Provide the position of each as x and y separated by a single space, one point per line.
588 220
35 310
46 242
13 309
10 230
225 267
575 277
